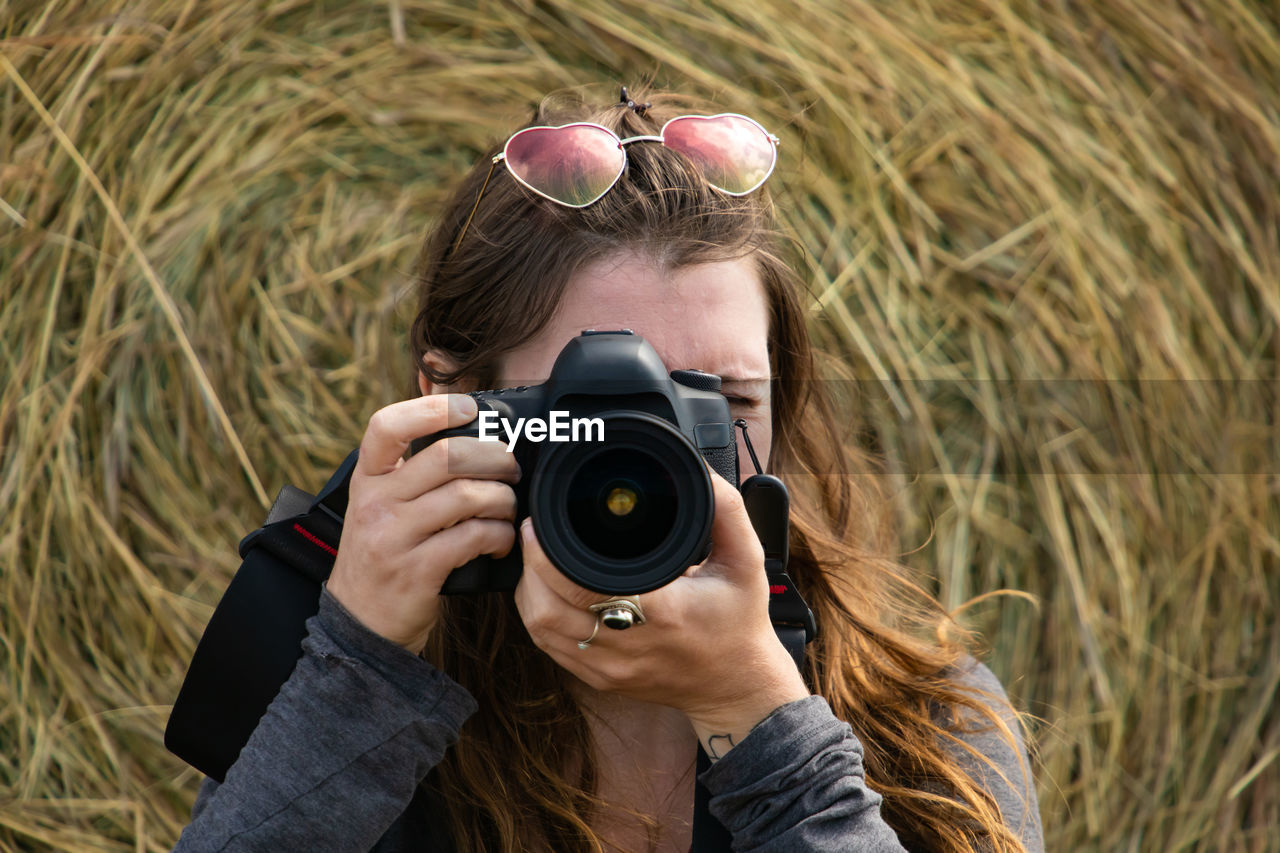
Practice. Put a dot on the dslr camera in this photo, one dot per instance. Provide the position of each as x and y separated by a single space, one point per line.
612 450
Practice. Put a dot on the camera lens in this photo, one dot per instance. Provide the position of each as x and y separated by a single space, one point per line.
622 503
625 515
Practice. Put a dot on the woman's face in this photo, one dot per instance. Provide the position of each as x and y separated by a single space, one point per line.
709 316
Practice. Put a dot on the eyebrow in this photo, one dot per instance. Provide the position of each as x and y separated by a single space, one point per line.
744 383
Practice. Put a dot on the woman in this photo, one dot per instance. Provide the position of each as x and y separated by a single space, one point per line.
582 739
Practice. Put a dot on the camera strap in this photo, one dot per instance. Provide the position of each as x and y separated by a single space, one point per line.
769 506
254 638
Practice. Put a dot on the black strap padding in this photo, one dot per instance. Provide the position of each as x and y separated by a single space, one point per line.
787 607
290 502
306 542
254 639
248 651
793 640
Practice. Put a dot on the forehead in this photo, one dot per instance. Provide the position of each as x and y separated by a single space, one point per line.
710 316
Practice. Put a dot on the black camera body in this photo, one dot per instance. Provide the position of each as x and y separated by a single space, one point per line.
611 449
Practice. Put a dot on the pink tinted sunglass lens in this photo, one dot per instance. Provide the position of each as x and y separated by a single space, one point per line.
735 154
574 165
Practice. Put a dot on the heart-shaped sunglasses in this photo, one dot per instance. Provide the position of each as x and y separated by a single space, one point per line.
576 164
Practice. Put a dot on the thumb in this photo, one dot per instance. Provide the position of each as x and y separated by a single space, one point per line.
529 543
735 548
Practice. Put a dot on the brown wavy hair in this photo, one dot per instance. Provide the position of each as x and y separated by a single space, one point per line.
490 277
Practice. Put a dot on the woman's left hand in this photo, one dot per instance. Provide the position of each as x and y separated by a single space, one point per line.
707 647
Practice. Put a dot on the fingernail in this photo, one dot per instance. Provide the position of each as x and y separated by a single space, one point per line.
526 531
464 406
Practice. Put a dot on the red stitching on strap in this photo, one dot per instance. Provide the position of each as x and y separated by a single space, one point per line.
316 540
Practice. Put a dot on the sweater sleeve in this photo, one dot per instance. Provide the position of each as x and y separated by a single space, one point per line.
339 752
796 782
1006 773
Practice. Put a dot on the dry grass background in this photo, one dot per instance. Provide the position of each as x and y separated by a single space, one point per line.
1044 233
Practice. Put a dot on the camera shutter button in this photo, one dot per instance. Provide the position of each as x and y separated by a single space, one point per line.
698 379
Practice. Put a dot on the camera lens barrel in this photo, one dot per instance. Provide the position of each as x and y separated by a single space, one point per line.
626 515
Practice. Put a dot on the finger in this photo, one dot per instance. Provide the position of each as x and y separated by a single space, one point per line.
582 663
391 429
459 457
552 622
454 546
458 500
536 562
734 544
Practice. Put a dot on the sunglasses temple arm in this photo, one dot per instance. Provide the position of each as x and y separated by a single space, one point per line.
458 241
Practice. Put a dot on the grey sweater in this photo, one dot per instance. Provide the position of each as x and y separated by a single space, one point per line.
335 763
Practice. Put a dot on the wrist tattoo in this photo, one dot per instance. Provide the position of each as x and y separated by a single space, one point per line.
717 751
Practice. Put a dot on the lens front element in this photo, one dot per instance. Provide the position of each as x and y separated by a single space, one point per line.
622 503
621 500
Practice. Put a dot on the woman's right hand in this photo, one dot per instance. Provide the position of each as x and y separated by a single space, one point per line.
410 522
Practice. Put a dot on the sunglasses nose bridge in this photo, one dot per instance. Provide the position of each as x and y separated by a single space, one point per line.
631 139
